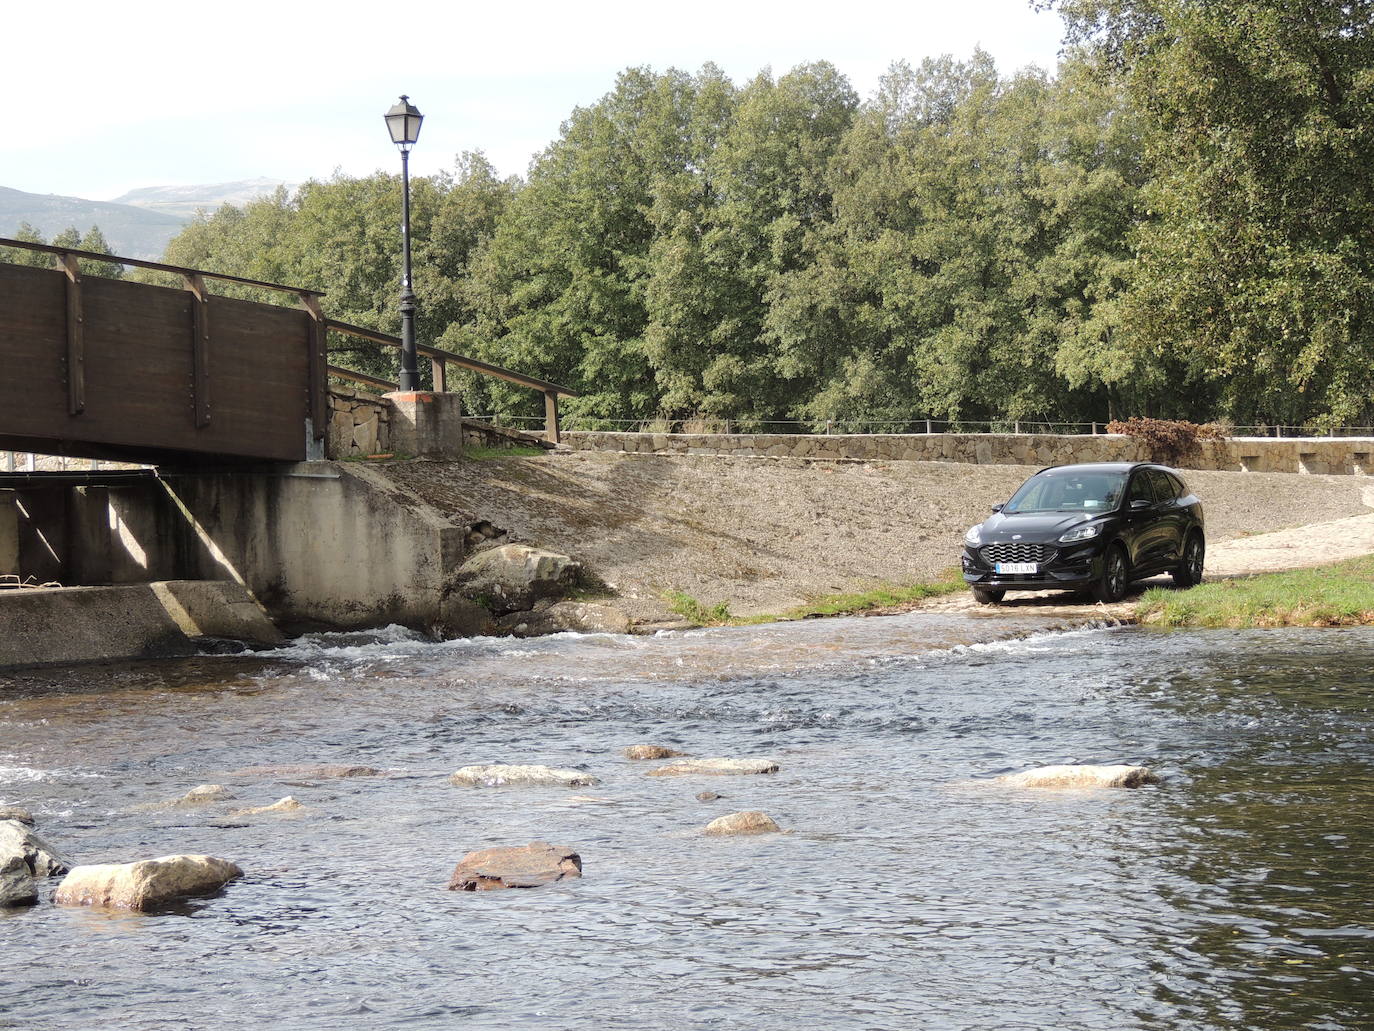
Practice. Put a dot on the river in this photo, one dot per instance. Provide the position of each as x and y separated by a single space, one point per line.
908 890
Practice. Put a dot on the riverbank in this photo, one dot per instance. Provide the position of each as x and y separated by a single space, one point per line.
769 536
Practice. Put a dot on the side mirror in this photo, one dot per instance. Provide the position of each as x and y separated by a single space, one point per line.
997 508
1140 504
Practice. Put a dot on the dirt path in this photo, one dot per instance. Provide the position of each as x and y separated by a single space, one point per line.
766 535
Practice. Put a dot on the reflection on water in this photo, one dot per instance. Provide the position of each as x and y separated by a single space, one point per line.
908 892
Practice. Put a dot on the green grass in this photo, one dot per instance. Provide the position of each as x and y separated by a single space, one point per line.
483 453
694 611
884 597
1337 595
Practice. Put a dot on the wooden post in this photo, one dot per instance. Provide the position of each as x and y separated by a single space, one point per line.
76 336
318 364
551 416
439 368
200 348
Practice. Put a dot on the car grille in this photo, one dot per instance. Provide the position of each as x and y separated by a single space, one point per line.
1017 551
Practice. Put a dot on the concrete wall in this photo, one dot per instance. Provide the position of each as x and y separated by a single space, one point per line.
1346 455
329 543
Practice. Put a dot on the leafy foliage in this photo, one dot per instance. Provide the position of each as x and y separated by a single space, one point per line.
1169 441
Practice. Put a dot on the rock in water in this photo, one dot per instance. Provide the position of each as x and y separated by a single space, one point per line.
708 796
283 805
16 812
204 795
17 886
500 775
750 822
146 884
513 577
41 858
1081 777
651 752
316 771
526 866
715 767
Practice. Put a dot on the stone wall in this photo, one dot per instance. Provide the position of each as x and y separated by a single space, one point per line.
359 424
1243 454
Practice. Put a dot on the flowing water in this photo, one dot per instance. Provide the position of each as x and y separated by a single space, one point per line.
908 890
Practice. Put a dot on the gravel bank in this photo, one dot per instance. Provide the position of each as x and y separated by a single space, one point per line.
768 534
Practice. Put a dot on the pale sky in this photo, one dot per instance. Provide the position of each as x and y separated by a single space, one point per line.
105 97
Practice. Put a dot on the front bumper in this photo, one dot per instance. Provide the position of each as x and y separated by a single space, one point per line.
1068 568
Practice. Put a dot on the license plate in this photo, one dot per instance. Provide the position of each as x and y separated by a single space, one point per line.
1016 567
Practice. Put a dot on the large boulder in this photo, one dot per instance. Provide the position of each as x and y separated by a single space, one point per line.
1081 777
16 812
567 617
750 822
17 886
525 866
502 775
715 768
41 858
146 884
513 577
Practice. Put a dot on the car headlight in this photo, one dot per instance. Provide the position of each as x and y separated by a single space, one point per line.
973 536
1081 533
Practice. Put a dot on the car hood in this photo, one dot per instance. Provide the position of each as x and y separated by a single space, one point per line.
1032 526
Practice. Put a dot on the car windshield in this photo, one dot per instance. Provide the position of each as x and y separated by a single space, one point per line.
1068 492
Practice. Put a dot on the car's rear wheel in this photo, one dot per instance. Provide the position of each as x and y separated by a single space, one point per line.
1111 585
1189 571
984 596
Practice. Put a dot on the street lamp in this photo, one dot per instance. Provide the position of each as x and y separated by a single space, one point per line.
403 122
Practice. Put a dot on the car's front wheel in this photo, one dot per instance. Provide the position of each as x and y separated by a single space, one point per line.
1189 571
1111 585
984 596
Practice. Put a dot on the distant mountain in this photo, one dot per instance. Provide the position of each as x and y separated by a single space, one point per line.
131 231
185 201
138 224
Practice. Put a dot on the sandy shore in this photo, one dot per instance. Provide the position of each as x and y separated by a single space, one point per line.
766 535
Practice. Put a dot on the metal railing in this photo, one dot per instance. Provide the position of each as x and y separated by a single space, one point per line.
575 422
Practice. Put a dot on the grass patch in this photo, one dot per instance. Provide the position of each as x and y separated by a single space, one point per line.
694 611
1337 595
887 596
482 453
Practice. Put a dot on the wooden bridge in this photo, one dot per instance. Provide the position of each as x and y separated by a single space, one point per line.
106 368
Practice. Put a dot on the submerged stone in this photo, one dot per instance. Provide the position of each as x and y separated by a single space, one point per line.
204 794
283 805
749 822
651 752
309 771
145 884
715 768
502 775
524 866
1081 777
16 812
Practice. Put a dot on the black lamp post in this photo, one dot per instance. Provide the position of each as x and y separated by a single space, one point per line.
403 122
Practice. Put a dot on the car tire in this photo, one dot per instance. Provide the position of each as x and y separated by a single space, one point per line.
1111 585
983 596
1189 571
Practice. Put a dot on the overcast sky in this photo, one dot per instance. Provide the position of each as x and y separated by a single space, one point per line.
105 97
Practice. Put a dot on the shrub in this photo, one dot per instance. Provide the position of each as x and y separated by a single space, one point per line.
1169 441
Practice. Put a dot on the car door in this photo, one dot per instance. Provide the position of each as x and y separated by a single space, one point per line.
1171 518
1143 540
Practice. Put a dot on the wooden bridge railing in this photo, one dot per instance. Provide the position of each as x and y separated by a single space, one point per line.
67 260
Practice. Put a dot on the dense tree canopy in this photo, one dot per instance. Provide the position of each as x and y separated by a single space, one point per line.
1179 222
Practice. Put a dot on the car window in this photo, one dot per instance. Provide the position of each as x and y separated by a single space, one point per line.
1068 492
1164 490
1180 488
1140 488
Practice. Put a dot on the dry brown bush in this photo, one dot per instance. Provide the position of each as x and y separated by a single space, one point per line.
1169 441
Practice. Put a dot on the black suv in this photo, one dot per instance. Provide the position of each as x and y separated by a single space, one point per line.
1093 527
